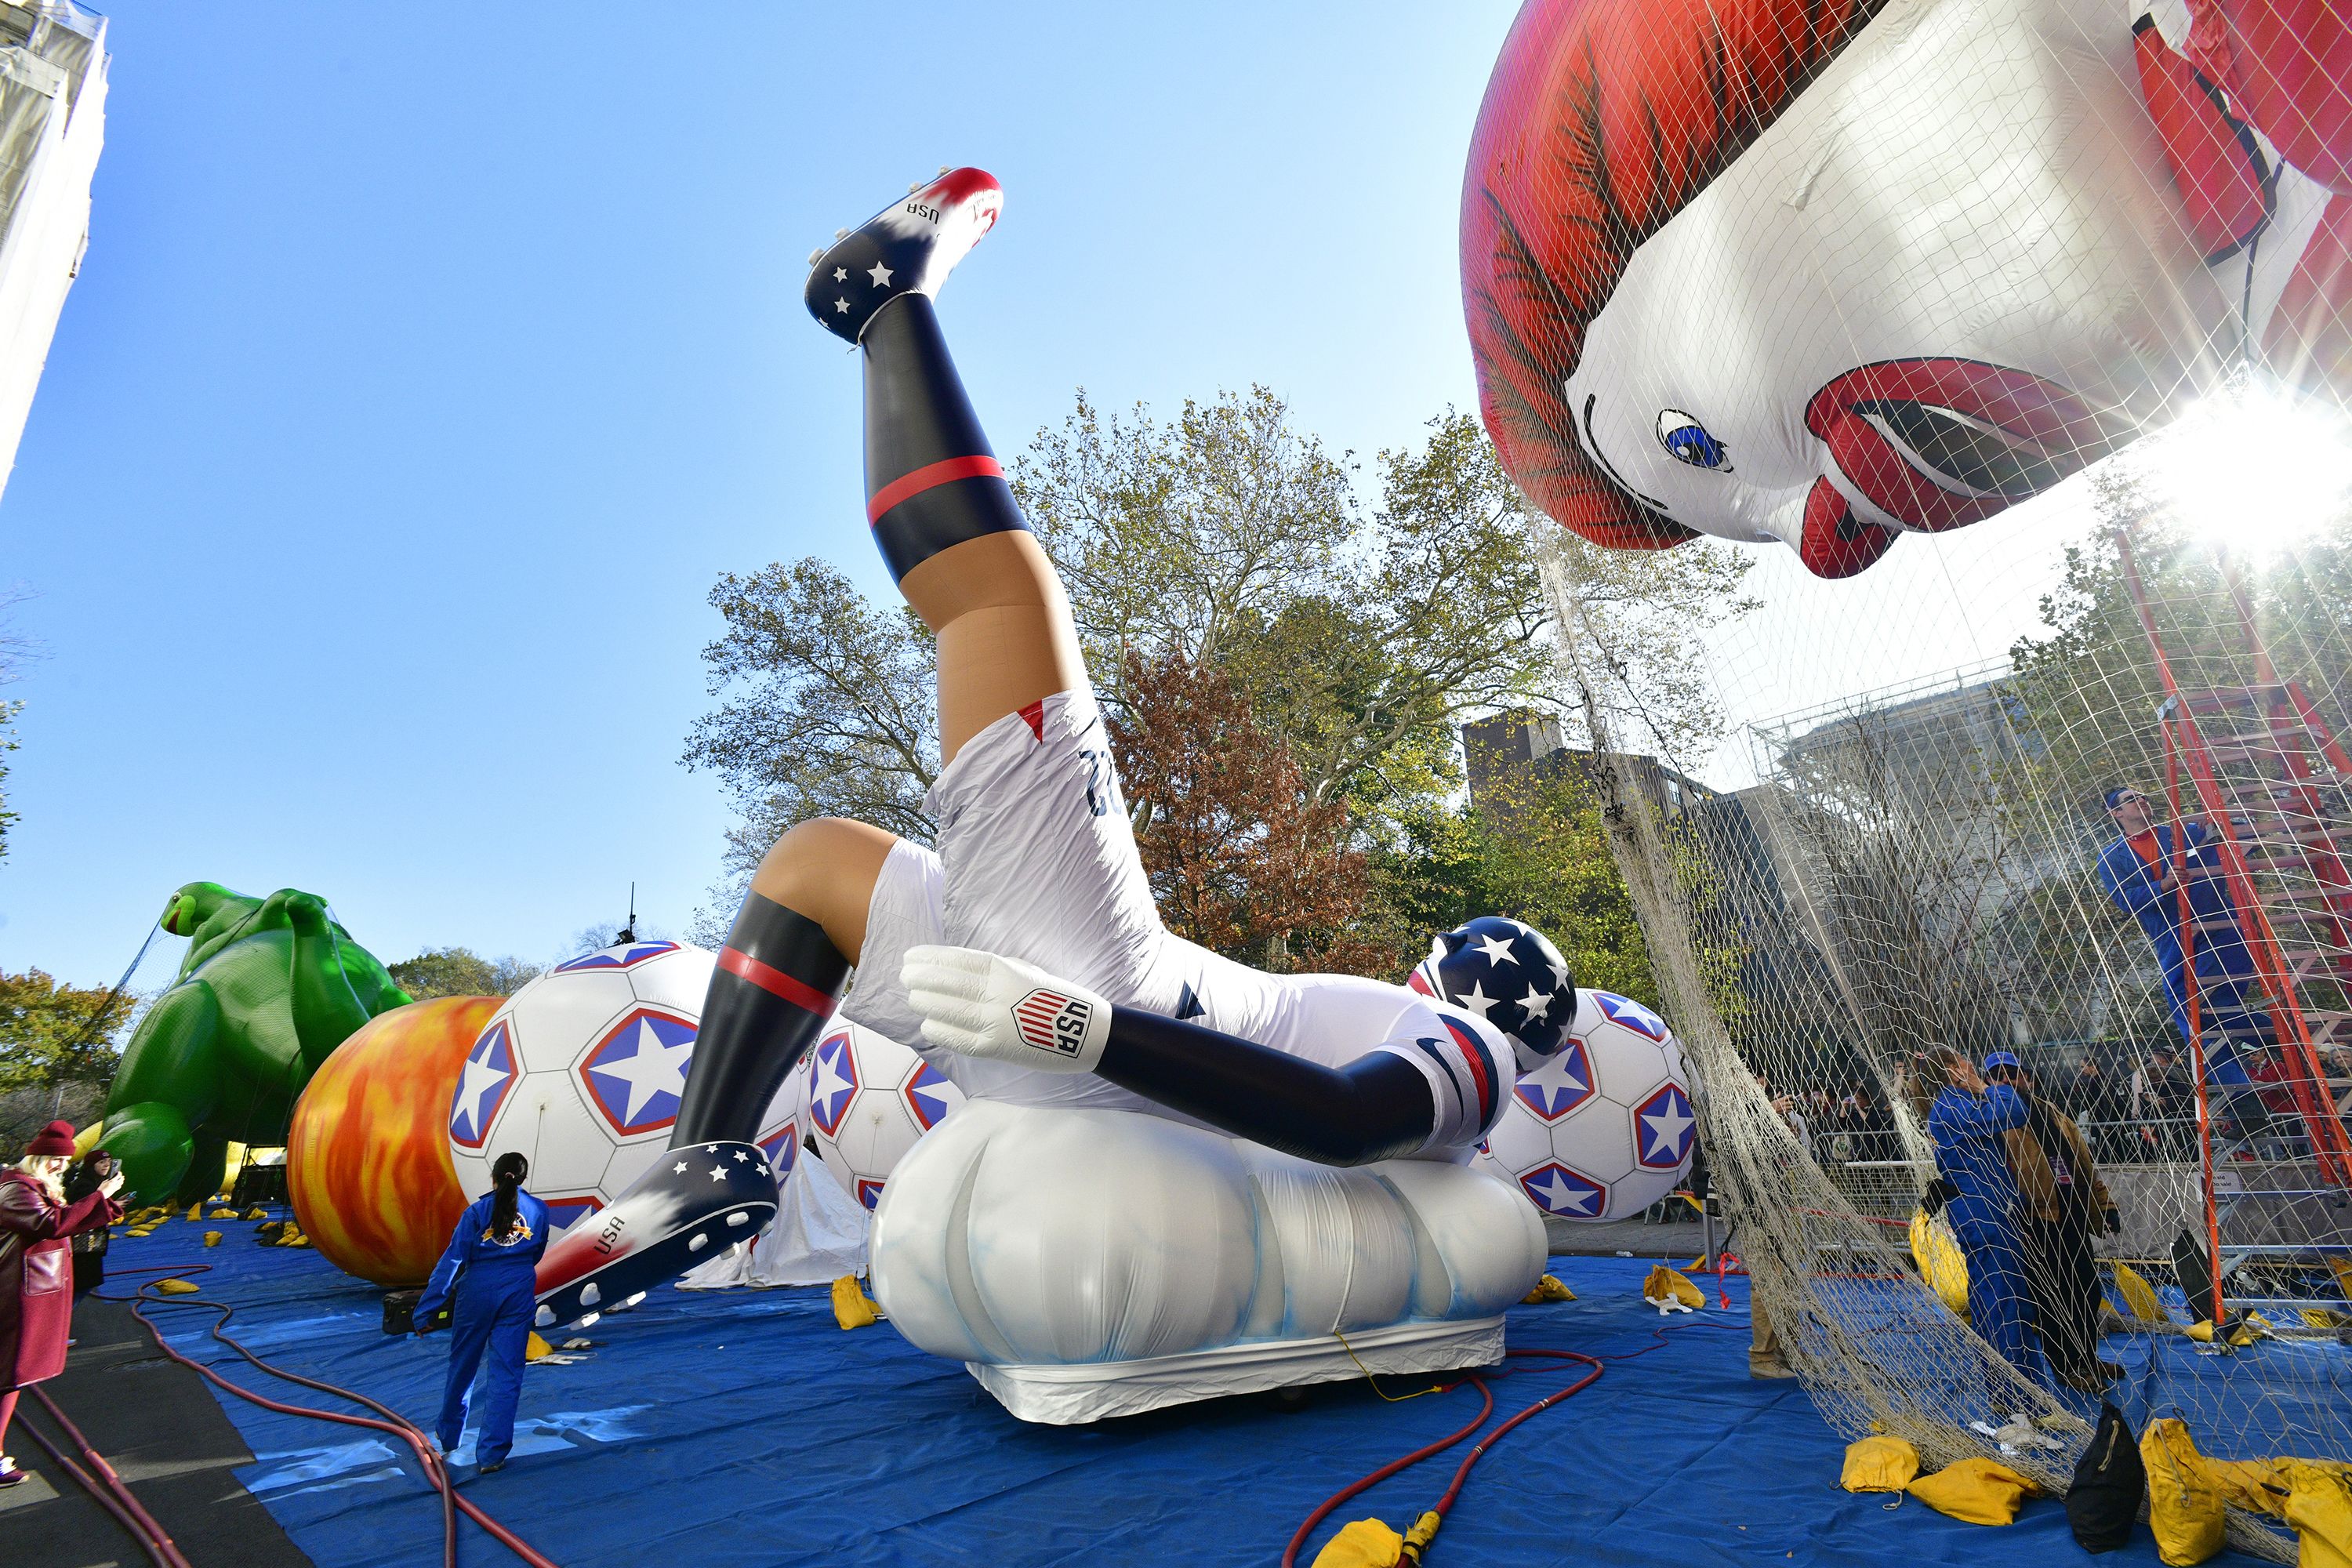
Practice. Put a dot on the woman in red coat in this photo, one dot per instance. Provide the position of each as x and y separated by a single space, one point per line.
37 1265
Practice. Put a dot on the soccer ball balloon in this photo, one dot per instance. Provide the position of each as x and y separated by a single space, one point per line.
869 1098
1604 1129
581 1071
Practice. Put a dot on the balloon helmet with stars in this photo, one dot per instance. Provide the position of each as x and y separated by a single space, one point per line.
1508 973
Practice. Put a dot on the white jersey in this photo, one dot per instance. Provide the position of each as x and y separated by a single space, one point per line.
1036 861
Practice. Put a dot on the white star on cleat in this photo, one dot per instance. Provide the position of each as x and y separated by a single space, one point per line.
880 274
840 275
718 1172
1497 949
678 1169
1476 1001
841 307
741 1157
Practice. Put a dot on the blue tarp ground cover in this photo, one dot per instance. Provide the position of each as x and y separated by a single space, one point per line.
739 1428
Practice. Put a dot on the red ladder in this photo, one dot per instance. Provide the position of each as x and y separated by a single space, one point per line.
2263 765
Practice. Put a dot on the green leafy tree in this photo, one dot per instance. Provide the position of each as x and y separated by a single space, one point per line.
461 972
829 711
1362 637
1226 538
58 1046
1535 849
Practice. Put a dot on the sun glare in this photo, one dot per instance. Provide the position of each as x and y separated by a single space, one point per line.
2255 468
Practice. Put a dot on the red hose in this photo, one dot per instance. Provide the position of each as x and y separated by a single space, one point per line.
1290 1552
161 1546
396 1425
1462 1472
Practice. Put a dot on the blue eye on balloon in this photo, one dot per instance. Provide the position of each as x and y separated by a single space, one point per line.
1687 441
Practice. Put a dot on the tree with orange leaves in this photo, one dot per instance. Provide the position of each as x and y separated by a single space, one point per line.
1242 859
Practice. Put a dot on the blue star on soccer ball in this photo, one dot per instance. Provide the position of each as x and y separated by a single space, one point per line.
1559 1086
488 1073
1666 1126
833 1081
636 1073
1558 1190
1631 1014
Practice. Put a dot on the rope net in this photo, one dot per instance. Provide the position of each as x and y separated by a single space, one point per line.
2056 286
1920 866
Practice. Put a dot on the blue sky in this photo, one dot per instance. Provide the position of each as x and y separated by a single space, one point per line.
424 371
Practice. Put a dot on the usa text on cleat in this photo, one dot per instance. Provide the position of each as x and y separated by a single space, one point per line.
908 248
643 1238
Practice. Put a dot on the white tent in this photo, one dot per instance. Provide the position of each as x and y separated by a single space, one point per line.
818 1235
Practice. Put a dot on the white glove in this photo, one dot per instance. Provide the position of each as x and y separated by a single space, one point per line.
1005 1009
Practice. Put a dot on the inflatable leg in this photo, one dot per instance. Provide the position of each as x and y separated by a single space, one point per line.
326 1010
169 1083
942 515
774 988
208 1168
152 1140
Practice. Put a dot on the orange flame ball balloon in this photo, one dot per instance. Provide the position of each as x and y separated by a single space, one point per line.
367 1162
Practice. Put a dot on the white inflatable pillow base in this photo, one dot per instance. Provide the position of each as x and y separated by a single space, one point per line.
1085 1263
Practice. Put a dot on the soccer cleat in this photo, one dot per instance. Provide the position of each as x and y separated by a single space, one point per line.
908 248
692 1205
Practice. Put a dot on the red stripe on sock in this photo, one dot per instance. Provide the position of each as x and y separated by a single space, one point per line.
775 982
1034 717
929 477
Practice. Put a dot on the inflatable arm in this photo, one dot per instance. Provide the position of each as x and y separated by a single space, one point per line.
1398 1095
1375 1108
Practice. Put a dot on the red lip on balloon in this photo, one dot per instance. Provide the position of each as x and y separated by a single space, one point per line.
1983 437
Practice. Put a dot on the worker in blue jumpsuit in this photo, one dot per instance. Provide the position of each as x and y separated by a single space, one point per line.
2139 874
1968 1123
492 1257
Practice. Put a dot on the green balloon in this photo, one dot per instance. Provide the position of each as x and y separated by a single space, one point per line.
268 989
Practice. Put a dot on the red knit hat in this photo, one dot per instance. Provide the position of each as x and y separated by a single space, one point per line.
56 1138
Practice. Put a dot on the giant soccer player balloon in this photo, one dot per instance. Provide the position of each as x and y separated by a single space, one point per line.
1827 274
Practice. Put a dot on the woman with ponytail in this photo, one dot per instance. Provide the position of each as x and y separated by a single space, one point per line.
489 1264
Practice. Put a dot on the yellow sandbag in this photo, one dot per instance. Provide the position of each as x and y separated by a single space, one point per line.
2242 1336
257 1212
1976 1491
1365 1543
196 1211
1547 1289
2319 1506
2138 1295
211 1238
533 1347
1940 1262
222 1213
1879 1465
2321 1318
852 1308
2185 1506
176 1286
1670 1290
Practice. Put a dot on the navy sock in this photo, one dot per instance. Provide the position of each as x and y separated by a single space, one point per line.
930 480
777 979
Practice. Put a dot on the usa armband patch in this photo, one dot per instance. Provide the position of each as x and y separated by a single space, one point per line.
1051 1021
